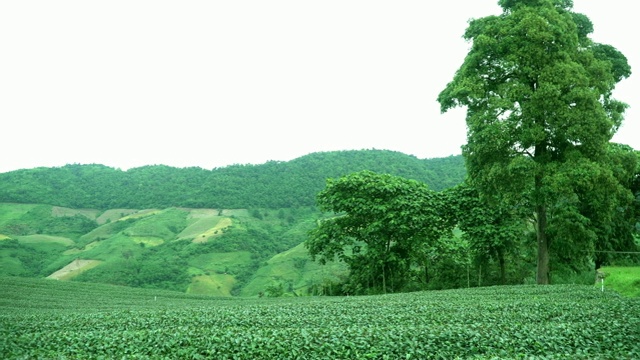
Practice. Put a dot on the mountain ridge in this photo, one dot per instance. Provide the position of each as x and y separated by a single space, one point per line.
274 184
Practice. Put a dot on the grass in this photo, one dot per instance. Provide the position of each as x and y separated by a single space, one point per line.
204 228
63 211
140 214
10 212
294 270
212 285
32 239
624 280
164 224
114 215
198 225
221 262
147 240
74 269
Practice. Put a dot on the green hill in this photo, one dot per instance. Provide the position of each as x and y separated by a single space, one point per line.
201 251
236 230
273 185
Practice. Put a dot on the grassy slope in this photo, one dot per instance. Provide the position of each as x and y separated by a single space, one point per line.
10 212
294 271
123 238
624 280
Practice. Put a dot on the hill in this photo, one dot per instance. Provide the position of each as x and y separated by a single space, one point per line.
150 226
272 185
219 252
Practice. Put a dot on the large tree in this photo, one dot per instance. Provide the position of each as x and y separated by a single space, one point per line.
540 111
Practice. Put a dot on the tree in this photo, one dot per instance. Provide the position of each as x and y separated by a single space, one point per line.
492 231
614 208
540 110
381 221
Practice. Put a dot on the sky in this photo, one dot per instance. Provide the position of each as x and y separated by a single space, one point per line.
215 83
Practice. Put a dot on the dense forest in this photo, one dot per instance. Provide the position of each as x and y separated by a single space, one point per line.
274 184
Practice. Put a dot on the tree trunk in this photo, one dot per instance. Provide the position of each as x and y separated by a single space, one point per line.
503 267
426 273
542 276
384 280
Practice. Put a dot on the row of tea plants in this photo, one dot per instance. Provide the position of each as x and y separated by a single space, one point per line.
46 319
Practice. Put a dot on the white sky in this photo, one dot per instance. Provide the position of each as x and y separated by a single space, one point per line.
213 83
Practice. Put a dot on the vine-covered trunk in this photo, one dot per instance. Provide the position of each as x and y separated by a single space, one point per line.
542 276
542 271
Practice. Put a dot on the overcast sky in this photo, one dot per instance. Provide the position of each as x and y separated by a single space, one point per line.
213 83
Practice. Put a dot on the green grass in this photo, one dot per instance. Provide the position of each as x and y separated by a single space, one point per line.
294 270
10 212
33 239
114 215
53 319
63 211
198 222
164 224
624 280
221 262
212 285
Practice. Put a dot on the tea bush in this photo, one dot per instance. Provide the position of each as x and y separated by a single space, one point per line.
47 319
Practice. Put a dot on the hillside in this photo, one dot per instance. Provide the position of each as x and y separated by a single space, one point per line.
272 185
155 227
220 252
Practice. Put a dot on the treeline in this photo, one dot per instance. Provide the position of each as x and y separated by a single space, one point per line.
274 184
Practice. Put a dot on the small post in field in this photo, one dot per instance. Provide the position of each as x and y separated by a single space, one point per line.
600 276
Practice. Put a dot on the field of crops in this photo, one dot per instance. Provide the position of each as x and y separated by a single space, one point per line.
48 319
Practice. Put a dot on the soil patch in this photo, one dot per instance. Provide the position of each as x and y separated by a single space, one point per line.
75 268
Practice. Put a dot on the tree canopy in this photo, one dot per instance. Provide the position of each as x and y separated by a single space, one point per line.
540 115
383 225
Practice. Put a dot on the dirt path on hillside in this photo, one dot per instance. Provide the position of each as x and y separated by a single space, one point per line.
75 268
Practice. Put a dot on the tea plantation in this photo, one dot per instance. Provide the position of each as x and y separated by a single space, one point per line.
48 319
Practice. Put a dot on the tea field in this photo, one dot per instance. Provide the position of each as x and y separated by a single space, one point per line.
48 319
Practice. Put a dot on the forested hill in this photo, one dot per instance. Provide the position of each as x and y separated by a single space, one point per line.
274 184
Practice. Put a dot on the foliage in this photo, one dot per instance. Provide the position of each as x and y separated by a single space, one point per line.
540 115
21 259
272 185
384 225
38 218
494 231
49 319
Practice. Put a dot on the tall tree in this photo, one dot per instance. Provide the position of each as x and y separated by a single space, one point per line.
381 222
540 110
